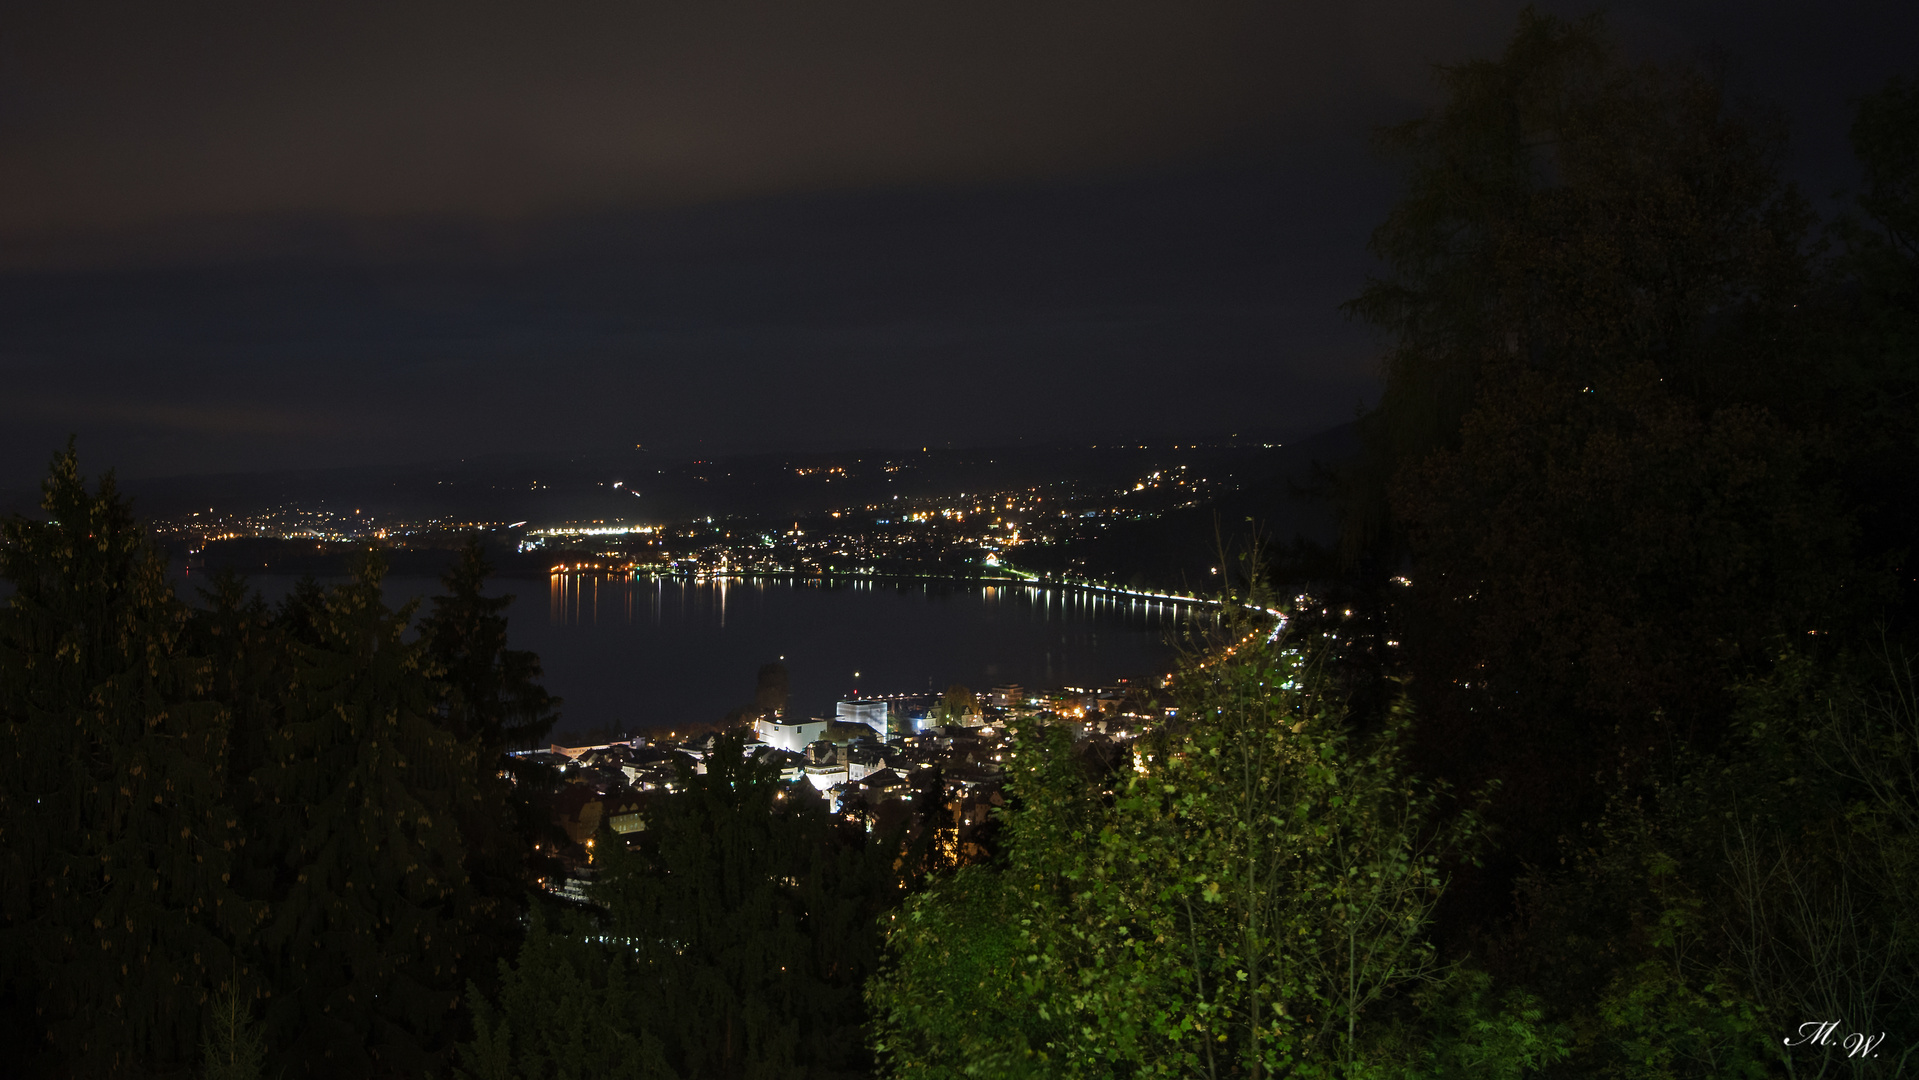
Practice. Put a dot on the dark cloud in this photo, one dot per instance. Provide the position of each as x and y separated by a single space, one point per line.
160 416
1169 303
251 236
136 115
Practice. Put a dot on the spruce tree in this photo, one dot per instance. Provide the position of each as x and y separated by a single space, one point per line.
235 1049
115 907
753 917
493 692
732 940
569 1008
247 649
490 697
361 796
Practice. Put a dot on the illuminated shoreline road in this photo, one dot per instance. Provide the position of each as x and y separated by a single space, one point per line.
855 575
1030 580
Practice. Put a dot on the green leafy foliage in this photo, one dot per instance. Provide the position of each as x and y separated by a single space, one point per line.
959 995
1456 1027
957 705
1251 897
1746 892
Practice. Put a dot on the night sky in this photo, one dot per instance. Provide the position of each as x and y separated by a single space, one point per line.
252 236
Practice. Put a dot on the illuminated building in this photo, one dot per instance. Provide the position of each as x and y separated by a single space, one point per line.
869 711
789 735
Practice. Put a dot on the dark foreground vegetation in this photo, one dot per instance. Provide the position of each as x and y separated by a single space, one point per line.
1595 752
301 815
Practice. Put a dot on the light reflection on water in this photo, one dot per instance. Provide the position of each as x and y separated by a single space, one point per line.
645 652
648 651
584 599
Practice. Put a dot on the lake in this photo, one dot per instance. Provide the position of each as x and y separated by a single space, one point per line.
648 652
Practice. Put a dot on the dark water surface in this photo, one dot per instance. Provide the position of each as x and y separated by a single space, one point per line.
656 652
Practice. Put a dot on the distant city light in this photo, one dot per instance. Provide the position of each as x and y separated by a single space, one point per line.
592 530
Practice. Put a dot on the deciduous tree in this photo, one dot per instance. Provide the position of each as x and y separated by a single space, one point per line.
1591 453
1251 897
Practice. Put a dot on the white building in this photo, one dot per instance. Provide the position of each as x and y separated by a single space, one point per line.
825 765
789 735
868 711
